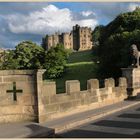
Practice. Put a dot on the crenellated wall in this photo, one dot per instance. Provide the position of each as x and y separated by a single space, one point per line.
52 105
36 100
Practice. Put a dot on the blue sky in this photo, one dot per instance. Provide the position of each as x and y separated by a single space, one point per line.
31 21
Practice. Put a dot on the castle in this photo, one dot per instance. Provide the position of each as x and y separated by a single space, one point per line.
78 39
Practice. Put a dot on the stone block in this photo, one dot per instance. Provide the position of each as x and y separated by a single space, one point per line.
49 88
93 99
39 74
72 86
65 106
76 103
109 82
52 108
1 79
46 100
18 78
16 118
104 97
92 84
27 87
27 99
122 82
17 72
54 99
85 99
64 98
12 109
29 110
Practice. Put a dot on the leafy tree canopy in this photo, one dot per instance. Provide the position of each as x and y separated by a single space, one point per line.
27 55
55 61
115 40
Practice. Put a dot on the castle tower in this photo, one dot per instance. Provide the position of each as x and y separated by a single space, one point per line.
82 38
67 40
78 39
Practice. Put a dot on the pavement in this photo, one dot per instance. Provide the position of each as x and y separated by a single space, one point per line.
77 119
25 130
122 124
63 124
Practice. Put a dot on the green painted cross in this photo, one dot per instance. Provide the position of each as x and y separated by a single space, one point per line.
14 91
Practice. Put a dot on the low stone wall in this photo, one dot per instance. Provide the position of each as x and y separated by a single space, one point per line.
24 96
52 105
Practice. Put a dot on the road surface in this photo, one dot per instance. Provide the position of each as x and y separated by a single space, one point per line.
123 124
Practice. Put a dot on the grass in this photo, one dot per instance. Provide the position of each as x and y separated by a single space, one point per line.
81 72
83 56
80 67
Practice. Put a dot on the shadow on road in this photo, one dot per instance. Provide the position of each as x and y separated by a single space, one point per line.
38 131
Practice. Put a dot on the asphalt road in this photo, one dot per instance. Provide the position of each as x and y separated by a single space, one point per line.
123 124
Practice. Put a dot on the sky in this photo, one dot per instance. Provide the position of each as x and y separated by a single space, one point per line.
32 21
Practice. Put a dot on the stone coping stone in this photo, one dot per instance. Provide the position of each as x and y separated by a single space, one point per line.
20 72
25 130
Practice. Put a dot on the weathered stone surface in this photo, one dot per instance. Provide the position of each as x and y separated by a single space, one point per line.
28 110
27 100
39 100
66 106
92 84
122 82
18 78
49 88
16 118
109 82
52 108
17 72
133 80
93 99
72 86
76 103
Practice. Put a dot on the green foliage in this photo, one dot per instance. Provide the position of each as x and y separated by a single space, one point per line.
97 33
29 55
76 71
115 40
84 56
7 60
55 61
80 67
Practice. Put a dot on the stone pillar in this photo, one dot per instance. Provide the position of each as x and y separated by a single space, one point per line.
110 84
123 87
92 84
39 82
133 80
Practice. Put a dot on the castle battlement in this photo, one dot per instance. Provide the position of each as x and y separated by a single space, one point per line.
78 39
25 96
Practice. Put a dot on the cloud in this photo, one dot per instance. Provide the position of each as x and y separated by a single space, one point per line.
87 13
107 11
31 21
47 20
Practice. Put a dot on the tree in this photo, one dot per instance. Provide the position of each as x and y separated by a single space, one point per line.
29 55
55 61
115 41
97 33
7 61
